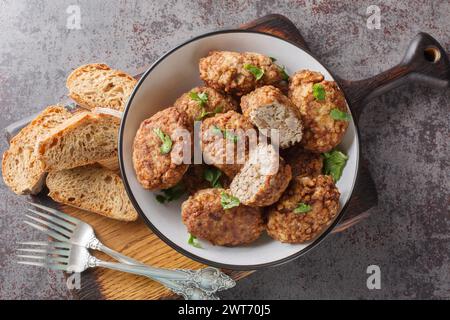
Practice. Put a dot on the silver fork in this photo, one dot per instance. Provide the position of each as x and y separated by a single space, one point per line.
66 228
72 258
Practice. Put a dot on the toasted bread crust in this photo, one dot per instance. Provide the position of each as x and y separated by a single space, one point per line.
22 171
97 85
94 189
86 148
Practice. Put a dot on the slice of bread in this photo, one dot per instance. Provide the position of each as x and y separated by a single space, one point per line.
83 139
22 171
94 189
97 85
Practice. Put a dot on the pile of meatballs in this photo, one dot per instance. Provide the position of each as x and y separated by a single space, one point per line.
234 203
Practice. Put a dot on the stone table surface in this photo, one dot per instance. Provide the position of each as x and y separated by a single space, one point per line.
405 133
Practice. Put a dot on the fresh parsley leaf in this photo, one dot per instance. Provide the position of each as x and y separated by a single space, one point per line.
212 175
205 113
228 201
226 134
302 208
318 91
165 139
171 194
193 241
230 136
201 97
334 163
160 198
284 74
216 130
257 72
337 114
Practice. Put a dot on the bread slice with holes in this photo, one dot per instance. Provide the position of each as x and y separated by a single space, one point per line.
97 85
94 189
22 170
83 139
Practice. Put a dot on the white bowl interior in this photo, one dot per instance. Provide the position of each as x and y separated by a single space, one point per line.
177 73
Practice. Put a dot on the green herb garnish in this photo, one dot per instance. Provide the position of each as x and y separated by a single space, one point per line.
257 72
205 113
334 163
228 201
226 134
201 97
337 114
193 241
212 175
318 91
284 74
165 139
302 208
171 194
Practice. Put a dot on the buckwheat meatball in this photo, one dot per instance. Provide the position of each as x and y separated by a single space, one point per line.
203 102
263 179
323 110
239 73
205 218
158 149
304 211
303 162
202 176
225 141
268 108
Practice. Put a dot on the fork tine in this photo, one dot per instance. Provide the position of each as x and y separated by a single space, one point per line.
56 212
53 251
51 226
51 233
26 256
56 220
48 259
51 244
32 263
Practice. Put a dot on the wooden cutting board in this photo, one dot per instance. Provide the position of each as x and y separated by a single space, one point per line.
137 241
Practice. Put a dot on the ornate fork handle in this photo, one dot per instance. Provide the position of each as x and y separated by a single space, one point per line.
208 279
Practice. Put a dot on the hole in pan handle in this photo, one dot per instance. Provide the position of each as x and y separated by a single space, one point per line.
425 61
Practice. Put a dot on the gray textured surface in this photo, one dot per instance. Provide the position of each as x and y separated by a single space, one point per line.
405 134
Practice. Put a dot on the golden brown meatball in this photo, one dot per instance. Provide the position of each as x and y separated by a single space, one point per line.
263 179
303 162
239 73
202 176
160 165
225 141
304 211
203 102
205 218
318 101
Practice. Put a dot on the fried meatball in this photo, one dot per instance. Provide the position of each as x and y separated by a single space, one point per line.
225 141
230 72
263 179
321 132
303 162
194 179
155 168
205 218
214 102
268 108
320 193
